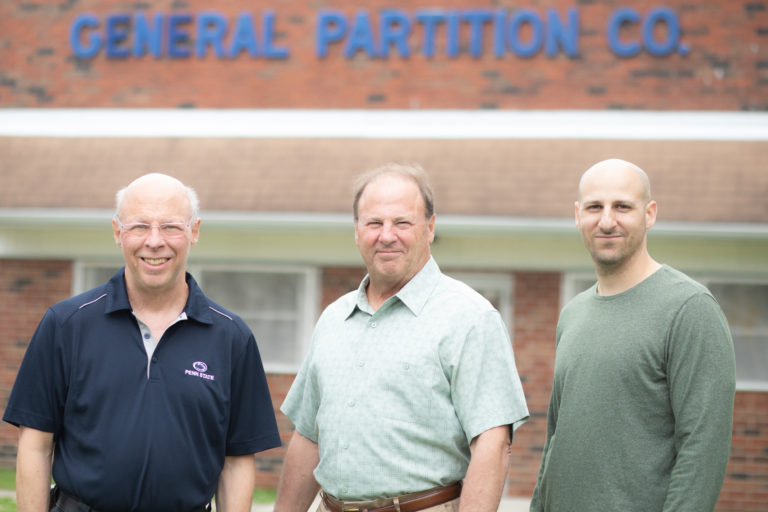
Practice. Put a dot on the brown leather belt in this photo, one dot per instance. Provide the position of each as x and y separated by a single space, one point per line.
405 503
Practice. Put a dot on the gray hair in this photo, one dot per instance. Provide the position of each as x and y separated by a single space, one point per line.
414 172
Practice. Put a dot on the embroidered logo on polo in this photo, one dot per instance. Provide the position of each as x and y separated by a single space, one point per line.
199 371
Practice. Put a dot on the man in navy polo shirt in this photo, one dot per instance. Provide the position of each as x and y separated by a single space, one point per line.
142 394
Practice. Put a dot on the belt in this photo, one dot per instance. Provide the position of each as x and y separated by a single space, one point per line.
68 503
405 503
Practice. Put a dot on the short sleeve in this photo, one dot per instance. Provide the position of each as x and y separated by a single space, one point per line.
486 389
39 393
252 426
301 404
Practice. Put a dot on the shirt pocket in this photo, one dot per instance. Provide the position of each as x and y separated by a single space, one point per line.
404 391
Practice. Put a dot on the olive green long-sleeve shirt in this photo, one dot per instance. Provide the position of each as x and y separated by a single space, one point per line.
642 404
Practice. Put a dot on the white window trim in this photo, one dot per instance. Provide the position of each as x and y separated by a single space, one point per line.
310 305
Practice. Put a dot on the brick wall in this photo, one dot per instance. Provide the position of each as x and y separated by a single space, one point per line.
27 289
536 306
725 68
746 481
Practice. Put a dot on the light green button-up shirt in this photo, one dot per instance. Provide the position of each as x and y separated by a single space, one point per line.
394 397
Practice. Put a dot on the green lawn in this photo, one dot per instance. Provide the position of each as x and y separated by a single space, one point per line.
263 496
7 505
7 480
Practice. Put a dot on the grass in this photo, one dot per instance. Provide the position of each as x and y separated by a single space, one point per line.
7 480
7 505
264 495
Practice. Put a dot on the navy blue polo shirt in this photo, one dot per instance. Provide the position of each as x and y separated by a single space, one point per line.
132 439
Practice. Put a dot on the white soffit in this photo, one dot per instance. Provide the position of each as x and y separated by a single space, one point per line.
386 124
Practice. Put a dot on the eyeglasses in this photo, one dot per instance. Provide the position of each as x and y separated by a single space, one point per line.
142 229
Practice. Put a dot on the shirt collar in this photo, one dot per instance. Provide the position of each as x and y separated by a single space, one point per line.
196 306
414 294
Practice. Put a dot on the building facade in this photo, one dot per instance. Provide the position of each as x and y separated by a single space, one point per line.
271 110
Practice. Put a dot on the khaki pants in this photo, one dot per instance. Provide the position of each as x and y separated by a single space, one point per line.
448 506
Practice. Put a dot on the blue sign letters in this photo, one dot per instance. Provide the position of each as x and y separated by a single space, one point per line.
383 34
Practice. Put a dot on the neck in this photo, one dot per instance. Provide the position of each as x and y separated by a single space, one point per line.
378 293
612 280
380 288
158 303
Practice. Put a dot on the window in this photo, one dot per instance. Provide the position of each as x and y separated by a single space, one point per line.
746 307
745 304
279 304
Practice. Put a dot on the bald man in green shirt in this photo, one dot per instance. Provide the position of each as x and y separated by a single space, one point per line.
642 403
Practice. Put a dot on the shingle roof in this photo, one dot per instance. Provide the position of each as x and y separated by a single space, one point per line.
701 181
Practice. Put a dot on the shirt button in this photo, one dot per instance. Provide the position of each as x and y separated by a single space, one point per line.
406 366
147 336
351 403
373 324
361 364
346 446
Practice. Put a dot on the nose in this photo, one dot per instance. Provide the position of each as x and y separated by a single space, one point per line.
387 233
607 220
154 238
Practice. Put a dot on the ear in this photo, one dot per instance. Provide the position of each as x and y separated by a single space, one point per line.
651 209
195 227
576 212
431 229
116 232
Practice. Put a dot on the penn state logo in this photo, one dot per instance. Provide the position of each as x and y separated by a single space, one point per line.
199 371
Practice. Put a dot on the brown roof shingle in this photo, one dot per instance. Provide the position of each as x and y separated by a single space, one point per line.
701 181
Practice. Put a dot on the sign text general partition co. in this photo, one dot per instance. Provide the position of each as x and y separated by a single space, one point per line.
387 33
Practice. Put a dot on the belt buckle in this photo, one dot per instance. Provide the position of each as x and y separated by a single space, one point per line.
356 506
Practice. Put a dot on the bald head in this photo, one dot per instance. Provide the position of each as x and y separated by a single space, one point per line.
616 169
158 185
